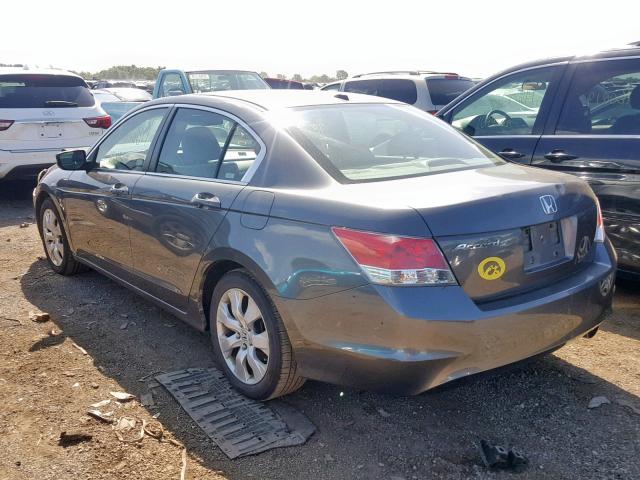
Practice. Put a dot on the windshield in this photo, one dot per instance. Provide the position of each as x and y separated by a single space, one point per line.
359 143
212 81
43 91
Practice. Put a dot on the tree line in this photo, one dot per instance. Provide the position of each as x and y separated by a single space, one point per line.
133 72
324 78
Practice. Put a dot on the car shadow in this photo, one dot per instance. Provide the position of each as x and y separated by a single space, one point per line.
15 195
538 406
626 304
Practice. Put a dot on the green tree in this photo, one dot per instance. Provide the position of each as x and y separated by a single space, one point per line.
341 74
264 74
281 76
297 77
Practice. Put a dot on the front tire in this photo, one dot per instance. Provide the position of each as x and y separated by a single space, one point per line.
249 340
55 242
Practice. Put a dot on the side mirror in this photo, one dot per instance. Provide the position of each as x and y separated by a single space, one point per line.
72 160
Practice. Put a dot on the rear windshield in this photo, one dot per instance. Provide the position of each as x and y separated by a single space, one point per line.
360 143
445 90
202 82
400 89
44 91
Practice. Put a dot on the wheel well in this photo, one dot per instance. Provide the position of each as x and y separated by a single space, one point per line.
213 276
42 196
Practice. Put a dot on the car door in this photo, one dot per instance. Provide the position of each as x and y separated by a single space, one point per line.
596 135
96 201
508 114
196 175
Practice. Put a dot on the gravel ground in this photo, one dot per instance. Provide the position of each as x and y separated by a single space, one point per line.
47 384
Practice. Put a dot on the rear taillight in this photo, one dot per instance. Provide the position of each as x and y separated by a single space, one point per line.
5 124
432 112
600 234
395 260
99 122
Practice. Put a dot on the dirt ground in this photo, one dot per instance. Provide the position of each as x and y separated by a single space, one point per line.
47 383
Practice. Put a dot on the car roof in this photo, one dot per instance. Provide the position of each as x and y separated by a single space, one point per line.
408 74
631 50
35 71
208 70
277 99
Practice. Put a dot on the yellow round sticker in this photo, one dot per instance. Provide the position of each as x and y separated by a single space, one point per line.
492 268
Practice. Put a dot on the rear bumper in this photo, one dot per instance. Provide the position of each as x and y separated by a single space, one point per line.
407 340
26 164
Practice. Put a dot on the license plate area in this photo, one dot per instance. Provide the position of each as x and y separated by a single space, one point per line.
51 130
543 246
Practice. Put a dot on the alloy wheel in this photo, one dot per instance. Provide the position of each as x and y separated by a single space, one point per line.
52 232
242 336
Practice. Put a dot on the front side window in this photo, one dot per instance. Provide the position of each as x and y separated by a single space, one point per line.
400 89
359 143
27 90
205 144
509 106
126 148
213 81
604 98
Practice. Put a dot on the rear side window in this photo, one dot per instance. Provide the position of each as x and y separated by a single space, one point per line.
44 91
205 144
400 89
445 90
604 98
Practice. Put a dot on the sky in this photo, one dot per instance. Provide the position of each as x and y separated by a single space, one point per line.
473 38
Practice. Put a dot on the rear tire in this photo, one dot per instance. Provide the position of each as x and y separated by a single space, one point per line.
55 242
249 340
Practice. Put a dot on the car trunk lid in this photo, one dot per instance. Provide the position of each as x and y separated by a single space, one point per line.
504 229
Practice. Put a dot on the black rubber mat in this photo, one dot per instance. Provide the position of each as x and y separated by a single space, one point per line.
238 425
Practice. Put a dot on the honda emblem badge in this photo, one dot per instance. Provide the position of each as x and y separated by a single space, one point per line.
548 204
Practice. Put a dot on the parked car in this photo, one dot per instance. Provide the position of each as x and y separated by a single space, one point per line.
118 101
339 237
579 115
43 112
178 82
280 84
332 86
101 84
426 90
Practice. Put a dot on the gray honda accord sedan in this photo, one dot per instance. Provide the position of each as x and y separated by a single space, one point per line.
337 237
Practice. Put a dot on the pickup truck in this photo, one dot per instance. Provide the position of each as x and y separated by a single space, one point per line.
173 82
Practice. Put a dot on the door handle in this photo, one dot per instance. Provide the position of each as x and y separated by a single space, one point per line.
206 199
557 156
510 154
119 189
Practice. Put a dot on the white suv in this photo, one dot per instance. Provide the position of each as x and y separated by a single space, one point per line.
43 112
426 90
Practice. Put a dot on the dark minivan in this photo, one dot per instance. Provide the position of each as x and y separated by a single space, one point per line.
579 115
